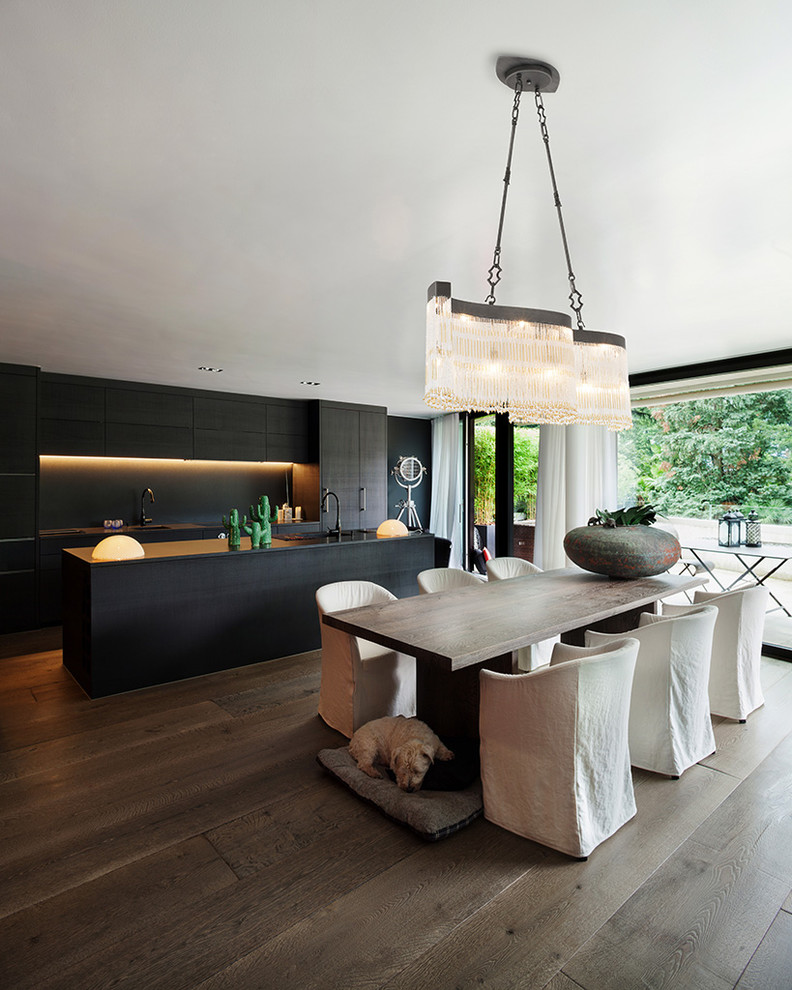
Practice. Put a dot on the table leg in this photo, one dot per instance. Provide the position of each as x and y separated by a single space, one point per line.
710 570
449 701
749 572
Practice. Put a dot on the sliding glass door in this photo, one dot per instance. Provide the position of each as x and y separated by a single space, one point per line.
501 473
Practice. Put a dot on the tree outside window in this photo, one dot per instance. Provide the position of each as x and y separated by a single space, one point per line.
526 464
697 458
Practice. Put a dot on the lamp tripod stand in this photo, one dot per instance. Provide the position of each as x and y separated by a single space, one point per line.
409 474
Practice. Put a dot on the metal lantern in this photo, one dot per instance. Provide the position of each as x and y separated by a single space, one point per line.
743 523
729 529
753 530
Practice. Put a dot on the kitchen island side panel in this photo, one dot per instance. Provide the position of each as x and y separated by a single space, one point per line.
133 624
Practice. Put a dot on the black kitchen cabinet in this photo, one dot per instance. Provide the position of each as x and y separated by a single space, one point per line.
228 429
104 418
373 468
235 608
288 433
353 463
148 423
18 496
17 600
140 406
17 420
71 418
49 572
337 445
17 506
52 545
250 429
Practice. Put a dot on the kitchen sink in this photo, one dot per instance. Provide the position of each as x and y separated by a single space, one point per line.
294 537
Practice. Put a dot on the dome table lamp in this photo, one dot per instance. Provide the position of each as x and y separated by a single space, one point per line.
529 363
409 474
117 548
390 528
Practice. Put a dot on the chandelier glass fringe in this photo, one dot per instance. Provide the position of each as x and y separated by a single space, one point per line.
603 392
487 358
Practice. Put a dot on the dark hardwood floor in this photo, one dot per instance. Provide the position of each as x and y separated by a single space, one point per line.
183 836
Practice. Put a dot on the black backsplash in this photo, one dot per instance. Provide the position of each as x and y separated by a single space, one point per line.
410 438
84 491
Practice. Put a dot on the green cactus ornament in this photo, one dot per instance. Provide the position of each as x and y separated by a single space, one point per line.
261 515
234 538
253 530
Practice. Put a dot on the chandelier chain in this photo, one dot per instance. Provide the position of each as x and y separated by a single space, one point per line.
495 270
575 298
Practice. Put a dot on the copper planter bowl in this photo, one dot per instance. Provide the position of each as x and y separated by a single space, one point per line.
622 551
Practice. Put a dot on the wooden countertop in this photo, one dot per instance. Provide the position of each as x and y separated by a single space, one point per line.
210 548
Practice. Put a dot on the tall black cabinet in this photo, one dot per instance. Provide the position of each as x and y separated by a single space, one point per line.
18 494
353 461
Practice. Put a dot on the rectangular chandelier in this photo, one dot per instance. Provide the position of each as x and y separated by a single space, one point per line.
528 363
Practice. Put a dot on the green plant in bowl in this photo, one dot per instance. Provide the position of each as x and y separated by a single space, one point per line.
634 515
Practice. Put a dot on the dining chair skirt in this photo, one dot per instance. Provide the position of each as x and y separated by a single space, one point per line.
555 763
735 688
360 680
670 725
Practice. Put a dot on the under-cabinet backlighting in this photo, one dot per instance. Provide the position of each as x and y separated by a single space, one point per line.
107 462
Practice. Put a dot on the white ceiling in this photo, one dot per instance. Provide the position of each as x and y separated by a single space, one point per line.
270 187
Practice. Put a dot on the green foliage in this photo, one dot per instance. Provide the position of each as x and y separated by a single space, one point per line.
526 467
694 458
634 515
484 472
526 464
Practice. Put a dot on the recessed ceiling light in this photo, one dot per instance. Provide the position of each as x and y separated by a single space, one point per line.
204 367
313 384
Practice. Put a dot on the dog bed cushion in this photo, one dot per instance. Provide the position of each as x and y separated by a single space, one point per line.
432 814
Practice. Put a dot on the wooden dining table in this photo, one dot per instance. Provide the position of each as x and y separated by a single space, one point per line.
455 634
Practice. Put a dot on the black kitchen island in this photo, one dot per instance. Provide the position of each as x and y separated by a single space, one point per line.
194 607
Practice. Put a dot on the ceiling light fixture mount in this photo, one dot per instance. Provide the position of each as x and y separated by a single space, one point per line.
533 74
529 363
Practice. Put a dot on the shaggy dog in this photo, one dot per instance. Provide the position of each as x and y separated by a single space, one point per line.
406 745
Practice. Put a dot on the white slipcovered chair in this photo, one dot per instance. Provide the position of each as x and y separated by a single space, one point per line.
445 579
670 725
735 689
555 762
501 569
360 680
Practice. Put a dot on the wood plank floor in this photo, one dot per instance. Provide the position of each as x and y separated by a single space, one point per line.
185 837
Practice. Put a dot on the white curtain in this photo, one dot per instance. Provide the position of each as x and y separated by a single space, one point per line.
577 474
446 512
